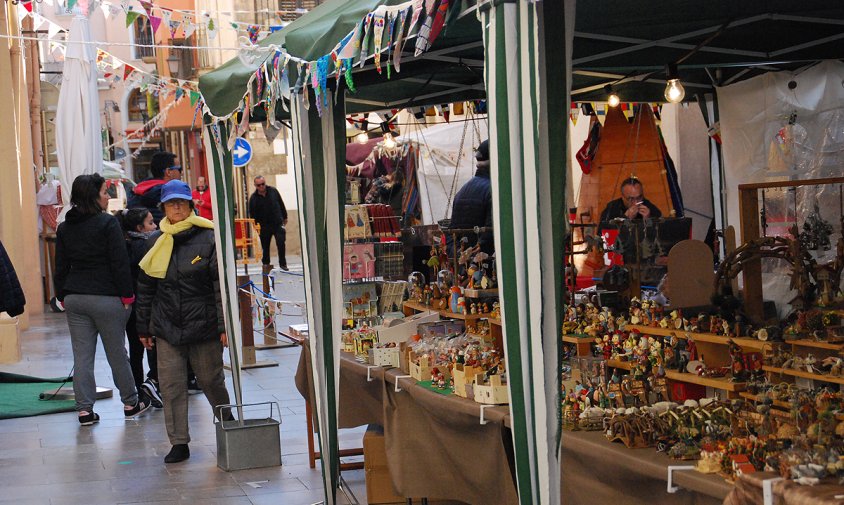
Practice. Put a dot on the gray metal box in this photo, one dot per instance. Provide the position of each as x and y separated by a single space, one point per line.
248 442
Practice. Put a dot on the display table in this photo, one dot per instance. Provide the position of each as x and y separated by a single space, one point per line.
748 490
597 471
435 444
436 447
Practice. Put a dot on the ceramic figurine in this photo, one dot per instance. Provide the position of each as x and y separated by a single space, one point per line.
461 305
455 297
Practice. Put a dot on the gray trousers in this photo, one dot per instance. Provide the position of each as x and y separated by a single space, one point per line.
87 316
206 358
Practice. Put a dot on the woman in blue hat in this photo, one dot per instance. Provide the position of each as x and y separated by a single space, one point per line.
179 309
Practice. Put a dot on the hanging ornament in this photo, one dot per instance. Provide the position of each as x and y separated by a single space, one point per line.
349 81
400 40
424 32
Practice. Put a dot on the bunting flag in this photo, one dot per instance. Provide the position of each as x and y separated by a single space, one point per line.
252 31
378 29
147 6
71 4
400 39
27 4
212 27
166 16
131 16
174 27
439 21
349 47
188 28
364 45
154 22
127 71
424 32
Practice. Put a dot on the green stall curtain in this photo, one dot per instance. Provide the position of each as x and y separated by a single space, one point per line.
527 53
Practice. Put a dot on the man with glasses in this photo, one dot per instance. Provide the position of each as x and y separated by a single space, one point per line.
631 205
147 194
267 209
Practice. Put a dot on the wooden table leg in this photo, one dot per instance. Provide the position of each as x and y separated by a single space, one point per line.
310 422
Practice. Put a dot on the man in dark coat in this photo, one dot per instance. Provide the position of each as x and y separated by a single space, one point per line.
148 193
12 299
267 209
631 205
473 203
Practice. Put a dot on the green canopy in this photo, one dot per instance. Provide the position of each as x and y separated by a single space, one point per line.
451 71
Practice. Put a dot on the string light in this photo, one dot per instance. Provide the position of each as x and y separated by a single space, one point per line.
389 141
361 138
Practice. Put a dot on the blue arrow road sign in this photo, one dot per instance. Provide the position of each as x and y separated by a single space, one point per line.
242 152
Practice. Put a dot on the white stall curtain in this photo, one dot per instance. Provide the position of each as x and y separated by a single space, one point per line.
785 126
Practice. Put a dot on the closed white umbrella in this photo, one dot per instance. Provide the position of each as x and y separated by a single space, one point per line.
78 136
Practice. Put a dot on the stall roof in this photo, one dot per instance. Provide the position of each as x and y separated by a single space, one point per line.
615 41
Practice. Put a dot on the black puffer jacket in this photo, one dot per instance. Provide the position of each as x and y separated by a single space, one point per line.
12 299
185 306
473 207
91 256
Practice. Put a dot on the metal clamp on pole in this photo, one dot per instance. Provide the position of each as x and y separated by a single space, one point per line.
369 377
397 381
483 408
671 468
768 490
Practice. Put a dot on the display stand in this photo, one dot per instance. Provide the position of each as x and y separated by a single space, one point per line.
750 230
271 340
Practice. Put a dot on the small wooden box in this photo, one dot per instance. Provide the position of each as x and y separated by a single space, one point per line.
384 356
491 393
464 376
422 370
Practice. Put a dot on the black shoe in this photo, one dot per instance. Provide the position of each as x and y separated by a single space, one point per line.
179 452
88 418
151 389
140 407
193 387
284 267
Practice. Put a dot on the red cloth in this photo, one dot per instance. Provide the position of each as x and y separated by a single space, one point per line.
203 203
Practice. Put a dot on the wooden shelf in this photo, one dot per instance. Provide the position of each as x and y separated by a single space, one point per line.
805 375
816 344
494 320
755 398
722 383
573 339
443 313
743 342
616 363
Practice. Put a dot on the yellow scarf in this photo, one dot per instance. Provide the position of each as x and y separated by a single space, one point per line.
156 261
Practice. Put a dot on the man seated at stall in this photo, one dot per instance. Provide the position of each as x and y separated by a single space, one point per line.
631 205
473 205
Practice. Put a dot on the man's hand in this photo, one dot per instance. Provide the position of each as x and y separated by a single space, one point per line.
644 211
197 202
148 342
224 339
632 212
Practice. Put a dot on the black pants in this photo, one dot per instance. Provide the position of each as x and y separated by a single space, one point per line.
136 354
267 233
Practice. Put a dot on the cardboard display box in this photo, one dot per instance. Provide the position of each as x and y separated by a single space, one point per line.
379 484
400 330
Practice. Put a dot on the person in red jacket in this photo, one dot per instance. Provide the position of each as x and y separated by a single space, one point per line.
202 199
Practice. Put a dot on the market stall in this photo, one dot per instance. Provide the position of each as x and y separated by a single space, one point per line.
510 51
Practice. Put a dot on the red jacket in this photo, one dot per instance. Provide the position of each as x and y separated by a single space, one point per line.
204 203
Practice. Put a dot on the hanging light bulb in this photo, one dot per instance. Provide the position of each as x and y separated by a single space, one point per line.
674 91
389 141
361 138
612 97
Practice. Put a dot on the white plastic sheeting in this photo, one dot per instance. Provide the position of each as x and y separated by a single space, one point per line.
773 131
439 174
